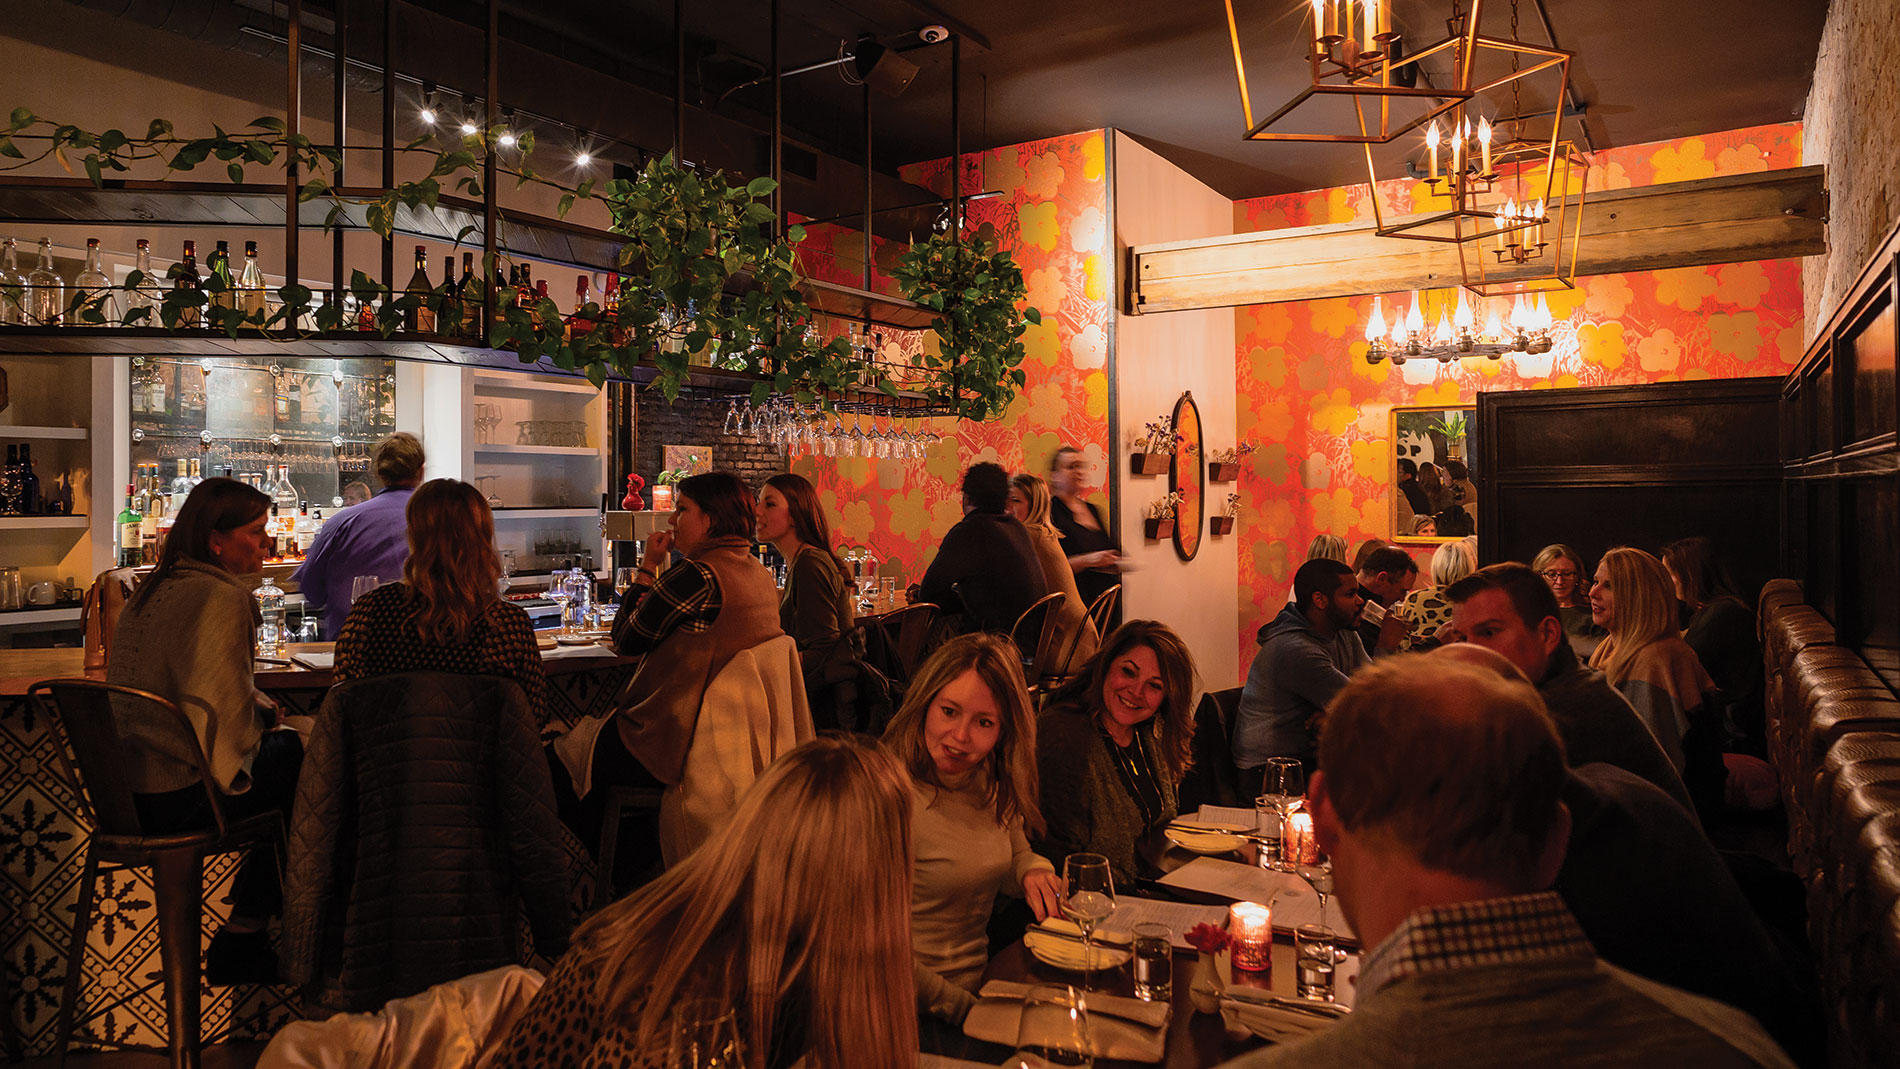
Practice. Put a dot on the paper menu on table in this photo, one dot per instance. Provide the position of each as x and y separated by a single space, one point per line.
1131 910
1220 814
1294 900
315 659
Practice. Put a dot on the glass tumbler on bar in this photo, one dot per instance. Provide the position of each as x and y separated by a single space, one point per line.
1154 963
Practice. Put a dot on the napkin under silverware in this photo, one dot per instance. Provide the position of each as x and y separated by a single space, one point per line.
1123 1028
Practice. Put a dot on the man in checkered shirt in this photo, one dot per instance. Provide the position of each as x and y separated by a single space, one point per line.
1437 796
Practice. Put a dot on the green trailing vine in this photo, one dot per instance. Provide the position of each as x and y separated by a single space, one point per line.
702 271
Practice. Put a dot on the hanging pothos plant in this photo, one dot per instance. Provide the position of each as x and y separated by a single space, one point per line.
701 270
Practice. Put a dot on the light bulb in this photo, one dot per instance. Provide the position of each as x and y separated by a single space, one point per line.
1544 320
1415 321
1493 325
1375 324
1462 317
507 141
468 129
583 159
1442 335
428 116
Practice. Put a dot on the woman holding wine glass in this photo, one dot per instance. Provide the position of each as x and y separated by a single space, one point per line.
1113 746
790 919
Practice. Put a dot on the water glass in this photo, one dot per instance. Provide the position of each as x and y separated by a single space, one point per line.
705 1036
1267 827
1316 956
1283 782
888 587
1054 1029
362 585
1154 963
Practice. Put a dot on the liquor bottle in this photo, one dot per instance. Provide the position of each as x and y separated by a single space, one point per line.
525 289
283 494
250 286
184 276
306 530
196 473
365 315
29 500
141 491
12 287
94 290
145 294
580 323
473 294
46 291
610 308
505 296
420 319
180 488
10 483
270 611
151 516
129 554
222 286
452 299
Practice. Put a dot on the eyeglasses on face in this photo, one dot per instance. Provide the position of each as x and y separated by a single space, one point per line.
1554 574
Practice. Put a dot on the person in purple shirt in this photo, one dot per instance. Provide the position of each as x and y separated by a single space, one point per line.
367 539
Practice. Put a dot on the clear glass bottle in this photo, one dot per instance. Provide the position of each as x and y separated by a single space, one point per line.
250 285
94 290
145 294
181 486
197 473
282 493
45 290
12 286
270 607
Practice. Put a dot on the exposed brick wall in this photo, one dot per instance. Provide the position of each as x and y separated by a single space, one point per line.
1852 125
697 421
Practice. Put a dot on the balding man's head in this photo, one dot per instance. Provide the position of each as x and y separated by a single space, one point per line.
1449 757
1477 657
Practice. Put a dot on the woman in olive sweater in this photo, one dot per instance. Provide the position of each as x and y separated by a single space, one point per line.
815 606
1113 746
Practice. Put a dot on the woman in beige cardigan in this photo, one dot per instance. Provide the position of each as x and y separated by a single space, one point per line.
1029 503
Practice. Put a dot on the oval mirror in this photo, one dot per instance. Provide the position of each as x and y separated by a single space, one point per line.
1187 476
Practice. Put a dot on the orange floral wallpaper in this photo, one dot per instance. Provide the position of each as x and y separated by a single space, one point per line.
1321 415
1053 215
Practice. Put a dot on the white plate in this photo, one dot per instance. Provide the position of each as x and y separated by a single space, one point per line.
1067 953
1206 843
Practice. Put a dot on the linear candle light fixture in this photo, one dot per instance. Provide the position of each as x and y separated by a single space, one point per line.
1356 58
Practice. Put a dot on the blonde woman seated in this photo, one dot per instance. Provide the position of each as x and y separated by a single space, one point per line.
792 916
968 737
1428 611
1646 659
1029 503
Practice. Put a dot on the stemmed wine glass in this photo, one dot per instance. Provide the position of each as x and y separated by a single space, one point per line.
1088 898
1318 874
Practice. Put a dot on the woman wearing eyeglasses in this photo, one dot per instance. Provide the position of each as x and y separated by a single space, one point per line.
1562 569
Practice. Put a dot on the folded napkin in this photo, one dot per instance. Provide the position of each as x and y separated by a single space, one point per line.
592 649
1059 942
1124 1028
315 659
1271 1021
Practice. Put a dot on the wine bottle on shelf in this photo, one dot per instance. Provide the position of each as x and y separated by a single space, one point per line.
196 473
472 297
10 483
610 307
452 298
580 322
420 319
180 488
250 286
94 290
151 516
507 295
365 315
30 502
145 294
129 533
46 291
184 276
222 286
12 286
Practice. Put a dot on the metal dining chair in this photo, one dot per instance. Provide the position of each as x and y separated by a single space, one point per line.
1034 633
1103 609
86 716
906 631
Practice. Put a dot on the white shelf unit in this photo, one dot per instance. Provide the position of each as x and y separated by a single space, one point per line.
44 523
548 492
58 402
67 434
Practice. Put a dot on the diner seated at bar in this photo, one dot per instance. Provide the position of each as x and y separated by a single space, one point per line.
797 535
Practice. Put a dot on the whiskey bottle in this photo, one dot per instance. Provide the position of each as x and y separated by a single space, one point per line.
420 319
222 286
145 294
46 291
250 287
12 287
94 291
184 276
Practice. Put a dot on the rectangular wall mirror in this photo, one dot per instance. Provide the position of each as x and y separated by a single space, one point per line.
1433 499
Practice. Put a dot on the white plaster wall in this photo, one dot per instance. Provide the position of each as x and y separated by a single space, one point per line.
1157 357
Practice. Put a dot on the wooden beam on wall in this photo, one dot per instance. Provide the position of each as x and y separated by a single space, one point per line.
1731 219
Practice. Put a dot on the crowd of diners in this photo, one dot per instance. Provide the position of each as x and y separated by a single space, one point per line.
1513 768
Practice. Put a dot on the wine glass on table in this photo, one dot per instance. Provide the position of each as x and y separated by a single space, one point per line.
1088 897
1283 784
705 1036
1318 874
1054 1029
623 581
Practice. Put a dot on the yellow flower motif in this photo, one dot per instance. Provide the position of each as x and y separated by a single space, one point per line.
1738 335
1565 381
1443 392
1789 344
1683 161
1612 176
1685 287
1038 224
892 474
1316 471
1046 405
1425 200
1334 316
1660 351
944 515
807 466
1742 285
857 517
1372 458
910 515
1038 448
1270 322
1095 388
1564 303
1047 288
1333 510
1334 413
1602 344
1003 170
1095 278
1315 371
1270 463
852 471
1338 205
1268 365
1609 295
1088 232
1089 348
1741 159
944 461
1045 177
1041 343
1488 368
1270 560
1094 164
1373 373
1695 374
1273 420
1277 514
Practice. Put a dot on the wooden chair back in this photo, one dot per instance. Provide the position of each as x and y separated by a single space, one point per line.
906 630
90 718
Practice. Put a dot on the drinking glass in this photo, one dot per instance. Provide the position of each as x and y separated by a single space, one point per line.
362 585
1283 784
1154 963
1317 956
705 1036
623 581
1088 898
888 590
1054 1029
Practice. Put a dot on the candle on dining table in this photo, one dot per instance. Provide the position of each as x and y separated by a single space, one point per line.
1251 926
1297 844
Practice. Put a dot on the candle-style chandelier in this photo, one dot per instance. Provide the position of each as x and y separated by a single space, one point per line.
1363 86
1460 330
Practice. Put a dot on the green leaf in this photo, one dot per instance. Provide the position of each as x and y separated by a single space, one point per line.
760 186
566 203
269 122
462 234
259 152
23 118
794 233
236 171
8 148
92 169
159 128
112 141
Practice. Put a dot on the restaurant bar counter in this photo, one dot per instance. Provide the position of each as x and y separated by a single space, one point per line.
42 853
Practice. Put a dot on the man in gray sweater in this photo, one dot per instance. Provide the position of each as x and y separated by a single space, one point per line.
1306 654
1438 798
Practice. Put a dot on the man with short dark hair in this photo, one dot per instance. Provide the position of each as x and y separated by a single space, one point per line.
1438 798
1306 654
1415 497
1507 608
367 539
986 567
1388 574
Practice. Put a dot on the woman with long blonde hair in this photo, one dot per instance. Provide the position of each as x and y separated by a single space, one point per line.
1029 502
1646 659
1114 745
968 737
1426 611
793 916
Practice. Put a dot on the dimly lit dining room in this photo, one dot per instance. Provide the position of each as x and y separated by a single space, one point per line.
751 534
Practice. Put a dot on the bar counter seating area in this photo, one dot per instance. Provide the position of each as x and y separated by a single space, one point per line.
836 534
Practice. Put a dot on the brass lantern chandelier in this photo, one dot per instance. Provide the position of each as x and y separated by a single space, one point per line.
1355 58
1530 245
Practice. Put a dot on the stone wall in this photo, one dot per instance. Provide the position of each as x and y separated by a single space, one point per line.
1852 125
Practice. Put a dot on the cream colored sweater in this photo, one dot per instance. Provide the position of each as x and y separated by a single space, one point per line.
963 858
